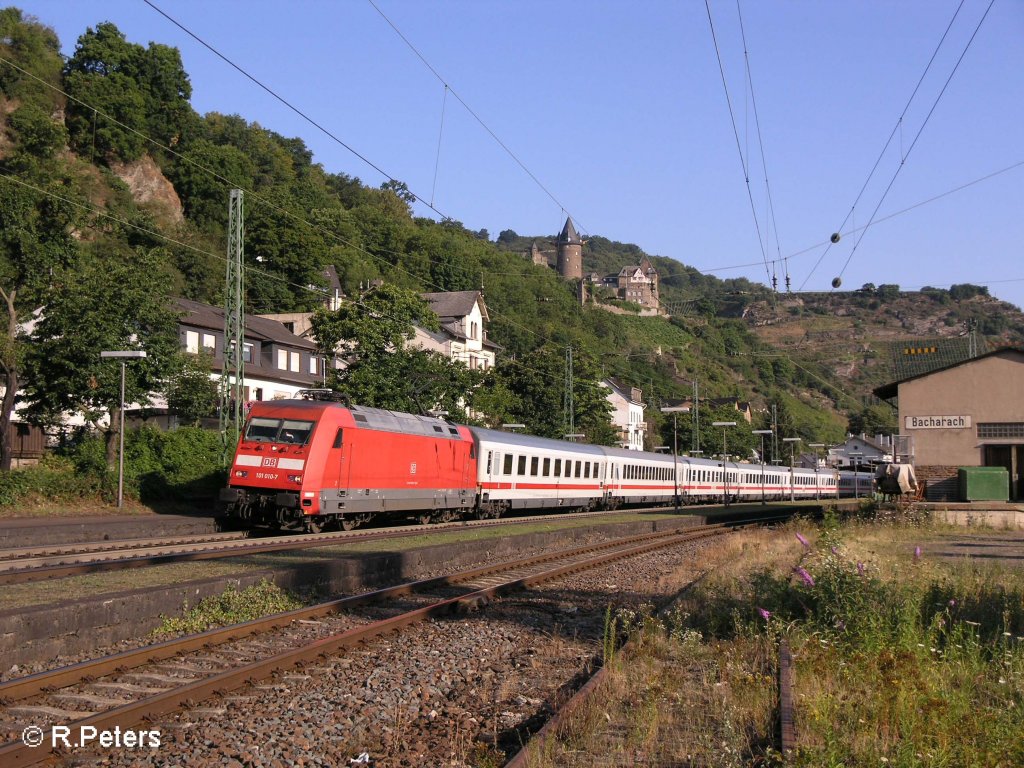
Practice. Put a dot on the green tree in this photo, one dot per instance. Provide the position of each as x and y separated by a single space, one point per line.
191 392
35 49
371 336
537 385
37 214
873 420
109 300
122 93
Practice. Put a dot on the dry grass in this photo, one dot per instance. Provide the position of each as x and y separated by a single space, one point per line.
900 660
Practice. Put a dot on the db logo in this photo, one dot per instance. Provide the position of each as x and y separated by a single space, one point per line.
270 461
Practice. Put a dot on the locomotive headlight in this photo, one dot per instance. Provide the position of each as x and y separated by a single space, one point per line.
295 478
241 473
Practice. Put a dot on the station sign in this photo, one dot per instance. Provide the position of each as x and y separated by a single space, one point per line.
937 422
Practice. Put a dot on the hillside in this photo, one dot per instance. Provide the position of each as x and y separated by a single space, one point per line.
87 204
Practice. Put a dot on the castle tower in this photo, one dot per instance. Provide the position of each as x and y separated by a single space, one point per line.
570 253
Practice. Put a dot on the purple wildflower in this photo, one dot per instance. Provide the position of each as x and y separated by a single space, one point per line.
802 540
917 552
952 603
764 614
835 550
803 574
860 569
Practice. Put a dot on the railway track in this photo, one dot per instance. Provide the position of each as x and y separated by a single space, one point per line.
127 688
38 564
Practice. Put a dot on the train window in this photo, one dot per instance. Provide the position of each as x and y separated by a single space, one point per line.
337 439
586 469
453 431
438 429
507 469
534 462
359 417
295 432
547 468
579 469
522 465
262 430
472 451
558 467
490 457
595 470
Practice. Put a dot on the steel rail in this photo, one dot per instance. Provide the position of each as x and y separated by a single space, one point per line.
248 546
243 547
17 753
17 555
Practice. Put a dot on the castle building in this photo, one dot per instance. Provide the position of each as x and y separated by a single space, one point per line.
570 253
637 283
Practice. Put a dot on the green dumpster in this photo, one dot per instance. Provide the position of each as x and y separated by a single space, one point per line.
983 483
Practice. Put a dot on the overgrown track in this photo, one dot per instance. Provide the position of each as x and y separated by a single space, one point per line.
168 689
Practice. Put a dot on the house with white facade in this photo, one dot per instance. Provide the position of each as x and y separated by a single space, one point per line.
463 333
277 362
627 414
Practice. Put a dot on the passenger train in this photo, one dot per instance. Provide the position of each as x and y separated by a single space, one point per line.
311 463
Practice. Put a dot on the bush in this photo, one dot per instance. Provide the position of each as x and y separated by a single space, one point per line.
53 478
181 464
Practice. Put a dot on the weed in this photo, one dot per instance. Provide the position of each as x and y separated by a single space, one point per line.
232 606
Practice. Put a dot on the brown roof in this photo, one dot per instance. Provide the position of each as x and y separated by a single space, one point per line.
261 328
454 304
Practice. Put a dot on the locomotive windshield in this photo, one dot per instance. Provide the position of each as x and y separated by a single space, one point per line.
293 431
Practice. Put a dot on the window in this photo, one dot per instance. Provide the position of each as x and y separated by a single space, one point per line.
547 468
558 467
586 469
209 342
312 365
192 342
507 469
579 469
522 465
534 463
338 439
490 458
279 431
1000 429
282 359
247 352
296 359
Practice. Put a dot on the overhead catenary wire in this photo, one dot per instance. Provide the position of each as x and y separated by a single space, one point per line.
440 136
229 184
760 144
917 136
897 128
739 145
475 116
327 132
256 270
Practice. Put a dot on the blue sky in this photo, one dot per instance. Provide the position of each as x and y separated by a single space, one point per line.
618 110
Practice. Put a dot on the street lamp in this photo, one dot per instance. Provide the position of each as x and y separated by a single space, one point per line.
855 457
513 427
675 410
816 446
762 433
792 444
574 436
122 355
725 458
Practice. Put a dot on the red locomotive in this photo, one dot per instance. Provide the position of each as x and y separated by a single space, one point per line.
300 463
